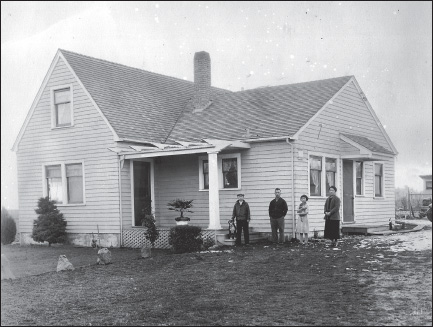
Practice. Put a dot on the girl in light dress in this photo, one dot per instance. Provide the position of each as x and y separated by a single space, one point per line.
303 226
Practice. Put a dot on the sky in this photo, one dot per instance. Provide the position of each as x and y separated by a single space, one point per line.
387 46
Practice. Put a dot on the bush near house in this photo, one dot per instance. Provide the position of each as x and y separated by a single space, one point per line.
8 227
50 226
185 238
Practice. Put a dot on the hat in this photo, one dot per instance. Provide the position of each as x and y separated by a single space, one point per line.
240 194
304 196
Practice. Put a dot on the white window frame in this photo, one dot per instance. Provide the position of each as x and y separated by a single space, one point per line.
220 171
63 165
152 188
363 178
323 177
53 106
383 180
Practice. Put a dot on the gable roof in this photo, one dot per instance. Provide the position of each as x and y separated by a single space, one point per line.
138 104
258 113
142 106
367 143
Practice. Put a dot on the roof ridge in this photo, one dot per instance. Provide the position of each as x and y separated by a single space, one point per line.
135 68
292 84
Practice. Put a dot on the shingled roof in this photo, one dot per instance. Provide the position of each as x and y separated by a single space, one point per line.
146 106
258 113
367 143
138 104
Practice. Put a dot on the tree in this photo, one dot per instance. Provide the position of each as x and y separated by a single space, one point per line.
182 206
8 227
50 226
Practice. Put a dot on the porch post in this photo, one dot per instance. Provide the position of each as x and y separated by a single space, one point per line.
214 197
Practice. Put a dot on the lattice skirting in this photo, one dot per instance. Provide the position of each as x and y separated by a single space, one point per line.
134 238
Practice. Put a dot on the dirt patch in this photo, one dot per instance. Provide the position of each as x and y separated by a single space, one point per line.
257 285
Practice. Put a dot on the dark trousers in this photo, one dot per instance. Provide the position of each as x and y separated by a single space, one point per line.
242 225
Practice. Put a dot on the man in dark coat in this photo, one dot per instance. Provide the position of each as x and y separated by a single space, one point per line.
277 212
241 211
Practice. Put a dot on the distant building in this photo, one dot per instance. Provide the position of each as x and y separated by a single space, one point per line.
427 184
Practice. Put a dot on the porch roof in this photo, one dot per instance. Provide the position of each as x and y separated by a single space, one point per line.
365 149
152 149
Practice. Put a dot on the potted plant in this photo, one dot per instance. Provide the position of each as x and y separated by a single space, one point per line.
182 206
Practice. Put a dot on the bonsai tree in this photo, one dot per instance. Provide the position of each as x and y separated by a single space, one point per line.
50 226
181 206
8 227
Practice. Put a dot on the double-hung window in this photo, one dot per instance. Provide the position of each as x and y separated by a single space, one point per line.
229 172
359 167
331 170
315 176
62 109
378 180
322 174
64 183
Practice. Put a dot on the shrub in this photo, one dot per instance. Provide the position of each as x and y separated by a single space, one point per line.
8 227
50 226
151 232
208 242
185 238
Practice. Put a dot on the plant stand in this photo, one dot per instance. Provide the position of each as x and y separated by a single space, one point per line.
182 222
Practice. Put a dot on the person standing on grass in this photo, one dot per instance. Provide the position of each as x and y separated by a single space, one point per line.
332 216
241 211
277 212
303 226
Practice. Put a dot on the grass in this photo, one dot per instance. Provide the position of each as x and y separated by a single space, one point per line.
257 285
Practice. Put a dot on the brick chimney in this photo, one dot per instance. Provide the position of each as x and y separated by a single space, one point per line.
202 81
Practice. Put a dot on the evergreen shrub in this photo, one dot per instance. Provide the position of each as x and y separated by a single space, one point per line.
185 238
50 226
8 227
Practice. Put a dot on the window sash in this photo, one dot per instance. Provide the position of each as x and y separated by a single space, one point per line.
315 182
230 172
205 174
63 114
428 185
359 177
72 176
378 179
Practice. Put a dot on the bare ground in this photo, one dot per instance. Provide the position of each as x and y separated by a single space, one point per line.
257 285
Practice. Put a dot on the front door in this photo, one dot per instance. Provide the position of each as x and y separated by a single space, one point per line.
348 198
142 190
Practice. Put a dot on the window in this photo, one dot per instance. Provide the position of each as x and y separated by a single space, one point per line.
315 176
64 183
359 178
53 175
331 170
205 174
230 173
322 174
62 107
74 179
378 180
428 185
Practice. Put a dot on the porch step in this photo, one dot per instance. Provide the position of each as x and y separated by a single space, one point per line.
223 239
364 229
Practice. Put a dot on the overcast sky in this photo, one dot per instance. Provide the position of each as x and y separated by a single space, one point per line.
387 46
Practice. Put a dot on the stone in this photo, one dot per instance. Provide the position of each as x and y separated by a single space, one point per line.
64 264
146 252
6 272
104 257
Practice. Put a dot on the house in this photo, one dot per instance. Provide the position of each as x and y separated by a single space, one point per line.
106 140
427 184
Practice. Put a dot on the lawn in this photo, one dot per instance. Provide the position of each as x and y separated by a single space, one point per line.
257 285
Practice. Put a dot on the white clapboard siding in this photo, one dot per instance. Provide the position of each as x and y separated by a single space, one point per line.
264 167
347 113
87 141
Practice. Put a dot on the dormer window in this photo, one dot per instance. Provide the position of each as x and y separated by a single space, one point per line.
62 111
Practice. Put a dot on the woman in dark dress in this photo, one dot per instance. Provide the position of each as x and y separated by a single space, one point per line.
332 216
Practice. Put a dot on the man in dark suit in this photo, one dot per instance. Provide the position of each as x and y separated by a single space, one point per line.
277 212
